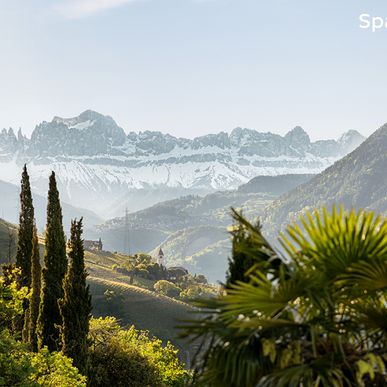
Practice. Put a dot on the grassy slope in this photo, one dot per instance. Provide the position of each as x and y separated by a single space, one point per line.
134 305
7 231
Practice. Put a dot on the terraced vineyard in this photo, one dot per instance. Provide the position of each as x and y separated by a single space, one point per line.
114 295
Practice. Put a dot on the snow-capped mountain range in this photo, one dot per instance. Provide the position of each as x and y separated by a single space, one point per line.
102 168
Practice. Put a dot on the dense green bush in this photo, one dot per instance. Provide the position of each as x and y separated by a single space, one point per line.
194 292
149 270
167 288
122 357
200 279
11 299
15 362
19 367
55 369
156 271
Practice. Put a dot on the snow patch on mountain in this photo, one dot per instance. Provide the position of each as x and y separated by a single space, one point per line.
97 164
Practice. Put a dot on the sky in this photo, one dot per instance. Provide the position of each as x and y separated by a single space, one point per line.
192 67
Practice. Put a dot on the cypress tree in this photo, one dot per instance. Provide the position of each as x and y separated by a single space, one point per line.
240 261
29 331
26 229
24 245
55 262
245 254
75 307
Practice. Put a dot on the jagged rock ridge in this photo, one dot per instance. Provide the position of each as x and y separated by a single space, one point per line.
105 169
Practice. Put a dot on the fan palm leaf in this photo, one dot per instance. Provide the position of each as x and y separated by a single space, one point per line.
315 316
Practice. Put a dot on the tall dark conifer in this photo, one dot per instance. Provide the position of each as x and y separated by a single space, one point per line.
55 261
245 253
29 331
26 228
75 307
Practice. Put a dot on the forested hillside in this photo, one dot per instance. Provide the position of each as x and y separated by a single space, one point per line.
358 180
192 230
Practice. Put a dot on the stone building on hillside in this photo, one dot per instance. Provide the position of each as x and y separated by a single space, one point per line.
93 245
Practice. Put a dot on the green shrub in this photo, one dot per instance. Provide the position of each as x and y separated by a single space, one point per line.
55 369
19 367
143 273
114 301
197 291
15 362
156 271
118 356
167 288
11 299
200 279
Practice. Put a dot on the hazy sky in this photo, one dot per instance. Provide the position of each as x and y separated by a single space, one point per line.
190 67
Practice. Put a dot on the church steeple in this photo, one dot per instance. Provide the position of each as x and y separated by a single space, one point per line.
160 257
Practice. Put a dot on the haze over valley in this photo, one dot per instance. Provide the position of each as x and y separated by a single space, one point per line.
103 169
177 192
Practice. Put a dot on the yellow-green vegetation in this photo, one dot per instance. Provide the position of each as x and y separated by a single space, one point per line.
140 270
122 357
45 336
144 309
116 355
19 366
133 300
167 288
313 315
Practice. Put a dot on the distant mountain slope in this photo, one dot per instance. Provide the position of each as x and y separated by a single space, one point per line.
359 180
9 208
276 185
150 227
105 170
192 230
202 249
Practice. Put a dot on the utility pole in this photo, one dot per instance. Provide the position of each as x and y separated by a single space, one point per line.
127 235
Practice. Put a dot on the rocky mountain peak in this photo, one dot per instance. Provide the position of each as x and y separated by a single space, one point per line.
92 115
348 139
298 137
90 133
97 162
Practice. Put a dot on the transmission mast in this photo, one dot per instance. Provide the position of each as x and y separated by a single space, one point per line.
126 231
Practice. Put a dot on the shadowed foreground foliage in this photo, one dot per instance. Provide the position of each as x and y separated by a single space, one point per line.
317 319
